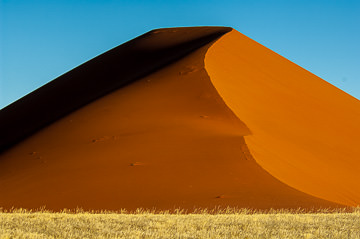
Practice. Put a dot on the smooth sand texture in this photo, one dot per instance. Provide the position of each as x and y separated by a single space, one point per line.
305 131
177 138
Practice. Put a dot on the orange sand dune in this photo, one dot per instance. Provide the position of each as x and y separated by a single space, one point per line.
215 125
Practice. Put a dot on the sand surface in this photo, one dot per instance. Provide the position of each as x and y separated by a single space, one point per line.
225 123
305 131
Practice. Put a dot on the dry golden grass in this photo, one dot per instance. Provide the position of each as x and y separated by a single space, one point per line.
202 224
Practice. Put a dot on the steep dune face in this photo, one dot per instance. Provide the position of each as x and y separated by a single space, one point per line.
167 140
304 131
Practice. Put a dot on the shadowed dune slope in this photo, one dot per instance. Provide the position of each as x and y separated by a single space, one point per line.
167 140
304 131
98 77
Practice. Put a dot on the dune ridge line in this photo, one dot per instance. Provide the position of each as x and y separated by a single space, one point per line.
85 83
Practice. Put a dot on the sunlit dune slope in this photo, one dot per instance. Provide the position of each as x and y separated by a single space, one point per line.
304 131
173 137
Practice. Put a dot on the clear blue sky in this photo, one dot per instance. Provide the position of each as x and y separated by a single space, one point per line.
40 40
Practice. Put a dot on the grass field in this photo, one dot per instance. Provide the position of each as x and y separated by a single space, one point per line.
203 224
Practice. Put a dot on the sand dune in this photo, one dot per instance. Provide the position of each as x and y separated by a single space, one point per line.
198 117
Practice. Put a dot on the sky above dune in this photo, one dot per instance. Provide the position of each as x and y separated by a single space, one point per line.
41 40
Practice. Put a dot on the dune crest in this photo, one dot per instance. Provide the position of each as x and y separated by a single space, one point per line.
100 76
174 137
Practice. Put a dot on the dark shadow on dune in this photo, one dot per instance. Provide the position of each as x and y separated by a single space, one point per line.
98 77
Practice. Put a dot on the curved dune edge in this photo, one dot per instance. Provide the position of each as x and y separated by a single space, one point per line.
166 141
305 131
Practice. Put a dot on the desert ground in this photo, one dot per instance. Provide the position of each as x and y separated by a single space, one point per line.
201 224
